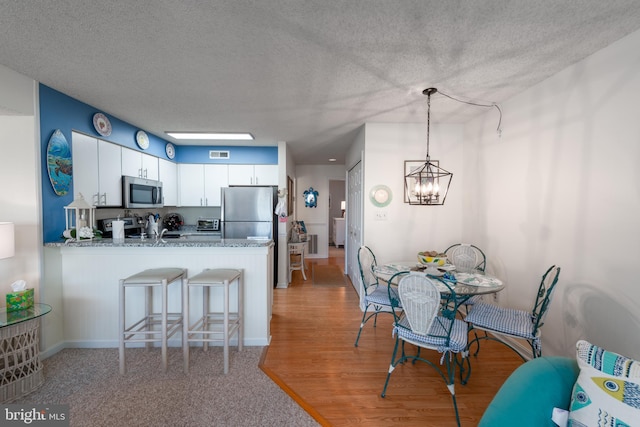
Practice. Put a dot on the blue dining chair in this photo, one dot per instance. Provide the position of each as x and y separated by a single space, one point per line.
376 296
513 323
467 258
428 324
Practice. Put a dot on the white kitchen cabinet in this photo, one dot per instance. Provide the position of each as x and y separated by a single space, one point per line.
191 185
136 163
200 185
168 174
96 170
84 150
109 174
215 178
253 174
338 232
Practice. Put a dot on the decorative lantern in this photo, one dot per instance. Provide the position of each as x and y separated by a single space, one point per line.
79 219
426 183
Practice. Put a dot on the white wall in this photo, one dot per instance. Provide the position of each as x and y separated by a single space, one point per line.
282 249
20 198
20 201
316 219
562 186
410 229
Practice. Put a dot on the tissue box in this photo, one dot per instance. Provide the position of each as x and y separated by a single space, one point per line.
20 300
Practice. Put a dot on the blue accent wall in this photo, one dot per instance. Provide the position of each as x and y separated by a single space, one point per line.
237 155
60 111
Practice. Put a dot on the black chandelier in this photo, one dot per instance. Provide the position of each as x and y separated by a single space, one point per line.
426 183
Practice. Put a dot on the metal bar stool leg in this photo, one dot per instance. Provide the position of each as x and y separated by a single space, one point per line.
240 285
185 327
121 323
206 304
225 323
163 323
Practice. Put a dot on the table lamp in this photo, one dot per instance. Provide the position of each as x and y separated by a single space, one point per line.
343 207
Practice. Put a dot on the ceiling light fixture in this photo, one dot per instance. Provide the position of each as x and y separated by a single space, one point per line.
426 183
235 136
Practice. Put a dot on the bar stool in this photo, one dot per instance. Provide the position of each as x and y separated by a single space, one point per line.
143 330
213 326
296 258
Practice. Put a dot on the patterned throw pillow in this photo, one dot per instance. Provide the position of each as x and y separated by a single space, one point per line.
607 392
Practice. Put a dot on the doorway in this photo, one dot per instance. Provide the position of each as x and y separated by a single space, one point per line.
337 193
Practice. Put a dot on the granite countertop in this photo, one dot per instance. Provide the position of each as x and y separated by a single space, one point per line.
201 241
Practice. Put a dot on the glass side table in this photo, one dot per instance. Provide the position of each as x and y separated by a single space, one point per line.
20 365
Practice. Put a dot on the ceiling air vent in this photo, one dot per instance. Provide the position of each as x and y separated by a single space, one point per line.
218 154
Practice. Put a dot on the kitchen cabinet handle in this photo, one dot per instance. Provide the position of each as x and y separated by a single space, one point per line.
105 199
95 199
201 202
145 173
206 201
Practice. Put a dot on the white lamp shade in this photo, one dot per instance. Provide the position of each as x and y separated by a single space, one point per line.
343 205
7 240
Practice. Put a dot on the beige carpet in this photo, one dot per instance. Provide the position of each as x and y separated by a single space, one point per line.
88 381
328 275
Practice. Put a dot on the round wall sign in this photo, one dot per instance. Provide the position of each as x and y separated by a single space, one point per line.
380 195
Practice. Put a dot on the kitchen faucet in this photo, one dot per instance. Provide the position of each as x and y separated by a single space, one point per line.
159 236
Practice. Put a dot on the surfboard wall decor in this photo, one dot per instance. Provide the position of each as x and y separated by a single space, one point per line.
59 163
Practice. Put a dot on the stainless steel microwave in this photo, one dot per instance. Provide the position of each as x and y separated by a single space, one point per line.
141 193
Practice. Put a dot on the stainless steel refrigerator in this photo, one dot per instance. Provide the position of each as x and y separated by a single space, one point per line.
248 212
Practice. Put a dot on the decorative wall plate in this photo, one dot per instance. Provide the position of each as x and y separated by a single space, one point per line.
102 124
59 164
310 198
380 196
170 150
142 139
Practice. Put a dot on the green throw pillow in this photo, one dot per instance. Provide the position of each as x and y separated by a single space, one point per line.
607 392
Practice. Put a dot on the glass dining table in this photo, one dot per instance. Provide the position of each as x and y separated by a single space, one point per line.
464 284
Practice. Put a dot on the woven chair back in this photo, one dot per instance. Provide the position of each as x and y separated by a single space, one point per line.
466 257
366 263
420 300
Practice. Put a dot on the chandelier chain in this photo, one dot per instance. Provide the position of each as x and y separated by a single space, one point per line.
428 121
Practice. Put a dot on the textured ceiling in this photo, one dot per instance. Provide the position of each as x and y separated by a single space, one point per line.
305 72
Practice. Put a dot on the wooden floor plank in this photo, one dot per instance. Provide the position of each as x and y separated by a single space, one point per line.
313 358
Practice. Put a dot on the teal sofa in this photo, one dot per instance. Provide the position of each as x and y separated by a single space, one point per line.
531 392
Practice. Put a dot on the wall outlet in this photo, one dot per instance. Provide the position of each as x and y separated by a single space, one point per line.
381 216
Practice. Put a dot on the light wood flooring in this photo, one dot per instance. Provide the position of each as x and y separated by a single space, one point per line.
312 357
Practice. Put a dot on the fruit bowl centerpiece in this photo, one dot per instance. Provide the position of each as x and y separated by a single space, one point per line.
433 260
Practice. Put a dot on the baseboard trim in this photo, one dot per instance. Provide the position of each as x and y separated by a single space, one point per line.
115 344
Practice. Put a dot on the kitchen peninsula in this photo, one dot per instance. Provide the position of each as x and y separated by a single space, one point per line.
90 271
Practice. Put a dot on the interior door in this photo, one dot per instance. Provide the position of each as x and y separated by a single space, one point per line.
354 223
